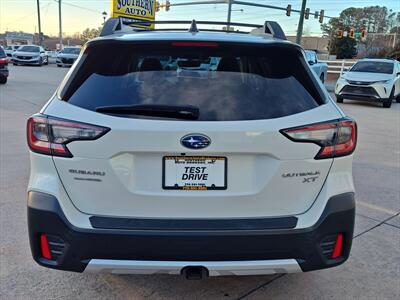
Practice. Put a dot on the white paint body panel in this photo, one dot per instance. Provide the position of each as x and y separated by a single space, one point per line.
131 155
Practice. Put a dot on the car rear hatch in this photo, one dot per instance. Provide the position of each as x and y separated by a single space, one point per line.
192 130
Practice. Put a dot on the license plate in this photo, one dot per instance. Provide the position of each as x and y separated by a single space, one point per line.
194 173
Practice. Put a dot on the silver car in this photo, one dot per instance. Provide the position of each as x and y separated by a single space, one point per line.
30 55
67 56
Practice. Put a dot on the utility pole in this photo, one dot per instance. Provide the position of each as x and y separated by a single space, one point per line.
300 26
228 27
40 27
59 21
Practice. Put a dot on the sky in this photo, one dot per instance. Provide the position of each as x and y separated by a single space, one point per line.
16 15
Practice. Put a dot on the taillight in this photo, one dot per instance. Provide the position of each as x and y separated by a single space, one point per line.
47 135
336 138
4 61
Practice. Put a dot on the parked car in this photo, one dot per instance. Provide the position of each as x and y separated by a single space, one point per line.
370 80
67 56
3 66
30 55
320 68
239 170
10 49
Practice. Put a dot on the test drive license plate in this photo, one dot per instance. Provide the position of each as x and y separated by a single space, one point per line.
194 172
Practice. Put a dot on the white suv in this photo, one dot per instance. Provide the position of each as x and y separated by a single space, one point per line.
371 80
240 169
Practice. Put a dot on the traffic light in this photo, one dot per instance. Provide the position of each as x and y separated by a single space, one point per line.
316 14
340 34
157 6
288 10
321 16
167 5
351 34
307 14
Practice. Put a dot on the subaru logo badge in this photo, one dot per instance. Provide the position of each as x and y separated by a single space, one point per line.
195 141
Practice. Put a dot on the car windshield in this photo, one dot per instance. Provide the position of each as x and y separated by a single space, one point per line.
224 82
71 50
2 53
29 49
373 67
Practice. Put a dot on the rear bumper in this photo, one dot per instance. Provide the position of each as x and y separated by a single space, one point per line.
222 251
214 268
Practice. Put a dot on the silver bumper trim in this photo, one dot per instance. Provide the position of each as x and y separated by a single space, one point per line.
215 268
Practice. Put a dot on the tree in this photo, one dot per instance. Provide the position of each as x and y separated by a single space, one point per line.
89 34
345 48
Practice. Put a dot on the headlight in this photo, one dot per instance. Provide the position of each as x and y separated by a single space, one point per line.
382 81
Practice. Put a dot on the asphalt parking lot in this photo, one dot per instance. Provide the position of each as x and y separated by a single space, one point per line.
372 271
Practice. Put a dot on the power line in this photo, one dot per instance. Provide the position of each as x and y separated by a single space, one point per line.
82 7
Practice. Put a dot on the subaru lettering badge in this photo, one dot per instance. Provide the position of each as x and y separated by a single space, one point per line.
195 141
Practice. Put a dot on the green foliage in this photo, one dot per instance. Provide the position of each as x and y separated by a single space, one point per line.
345 48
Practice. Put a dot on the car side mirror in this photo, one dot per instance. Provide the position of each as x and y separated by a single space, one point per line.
311 62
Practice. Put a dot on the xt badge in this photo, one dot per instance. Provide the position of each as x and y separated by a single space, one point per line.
308 177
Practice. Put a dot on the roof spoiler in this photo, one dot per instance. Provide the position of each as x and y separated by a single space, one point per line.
273 28
125 25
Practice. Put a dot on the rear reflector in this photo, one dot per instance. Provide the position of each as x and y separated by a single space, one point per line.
337 251
44 247
194 44
336 138
47 135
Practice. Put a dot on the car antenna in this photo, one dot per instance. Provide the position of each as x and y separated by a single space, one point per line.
193 27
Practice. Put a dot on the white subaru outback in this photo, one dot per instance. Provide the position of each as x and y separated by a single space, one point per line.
195 153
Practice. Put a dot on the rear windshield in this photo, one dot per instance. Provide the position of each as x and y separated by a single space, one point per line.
373 67
224 82
2 53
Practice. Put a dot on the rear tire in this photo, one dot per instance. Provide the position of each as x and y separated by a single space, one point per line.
339 99
388 102
398 99
3 80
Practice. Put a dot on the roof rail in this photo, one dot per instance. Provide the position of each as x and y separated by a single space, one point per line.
115 25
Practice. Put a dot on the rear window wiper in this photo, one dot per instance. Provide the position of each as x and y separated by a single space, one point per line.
187 112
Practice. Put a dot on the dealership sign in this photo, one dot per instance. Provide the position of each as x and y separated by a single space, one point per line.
135 10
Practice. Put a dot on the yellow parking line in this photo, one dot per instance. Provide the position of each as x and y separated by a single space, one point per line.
376 207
